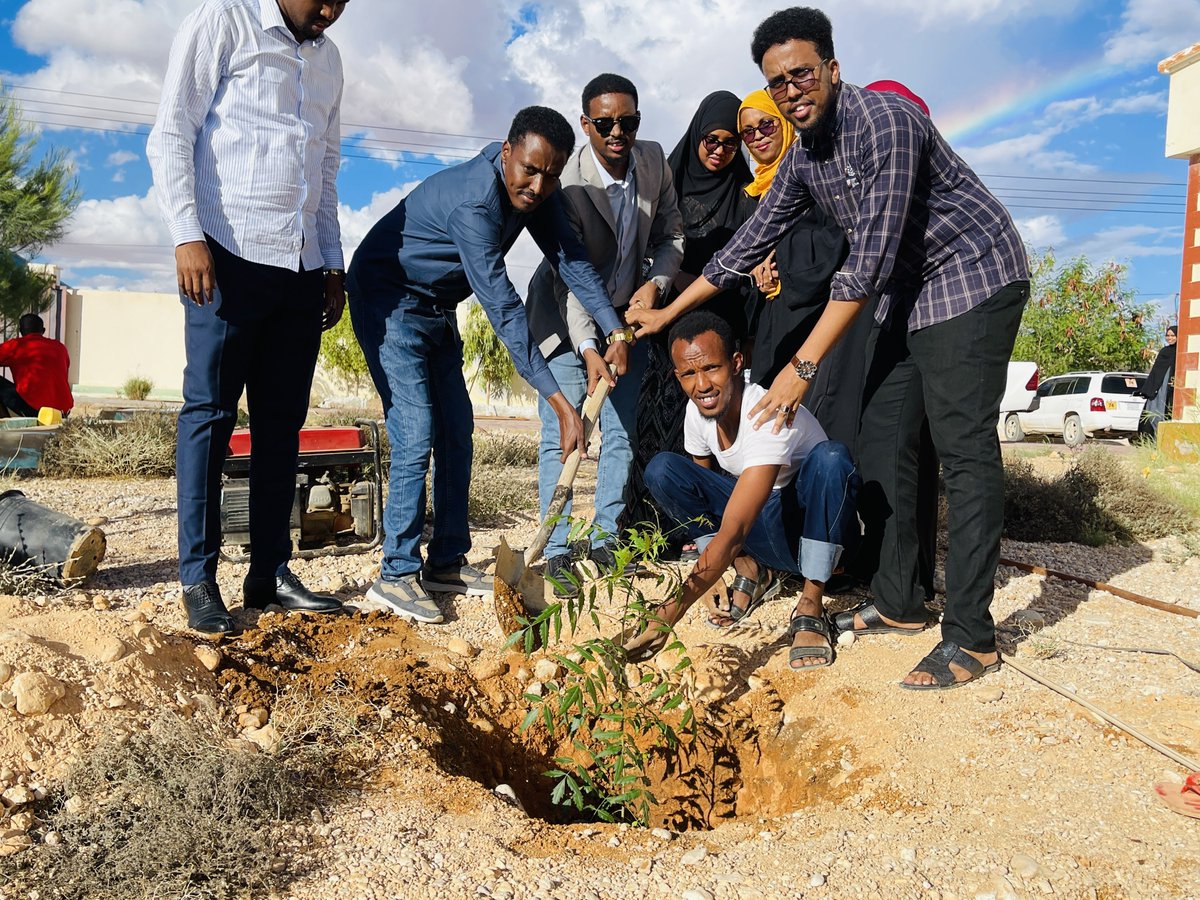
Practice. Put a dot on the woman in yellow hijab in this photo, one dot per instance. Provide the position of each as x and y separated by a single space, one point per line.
767 134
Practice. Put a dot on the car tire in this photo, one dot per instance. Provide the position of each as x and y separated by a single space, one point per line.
1013 432
1073 434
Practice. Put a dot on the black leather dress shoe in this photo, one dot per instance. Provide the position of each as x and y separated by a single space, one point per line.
206 611
285 590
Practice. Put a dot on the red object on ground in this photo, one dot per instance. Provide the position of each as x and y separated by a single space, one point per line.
312 440
39 366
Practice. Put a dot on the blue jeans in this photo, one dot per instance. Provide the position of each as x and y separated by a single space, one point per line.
618 425
414 353
804 525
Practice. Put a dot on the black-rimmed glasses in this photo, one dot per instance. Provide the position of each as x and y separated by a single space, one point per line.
803 79
604 124
766 128
711 142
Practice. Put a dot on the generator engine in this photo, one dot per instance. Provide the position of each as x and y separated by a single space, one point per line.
337 507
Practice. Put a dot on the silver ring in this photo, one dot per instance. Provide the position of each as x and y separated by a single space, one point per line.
785 409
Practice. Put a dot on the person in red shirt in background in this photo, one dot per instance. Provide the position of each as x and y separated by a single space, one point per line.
39 366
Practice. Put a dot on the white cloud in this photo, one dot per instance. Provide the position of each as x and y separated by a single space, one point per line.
1152 30
1067 114
1127 242
1025 154
1042 232
121 157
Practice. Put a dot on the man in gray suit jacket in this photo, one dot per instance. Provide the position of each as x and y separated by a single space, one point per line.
620 197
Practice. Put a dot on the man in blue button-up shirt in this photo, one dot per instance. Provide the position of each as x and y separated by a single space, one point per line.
245 153
443 242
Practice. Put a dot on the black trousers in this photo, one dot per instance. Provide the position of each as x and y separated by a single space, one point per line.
261 333
14 402
954 373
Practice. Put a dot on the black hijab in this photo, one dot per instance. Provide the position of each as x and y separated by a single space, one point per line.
709 201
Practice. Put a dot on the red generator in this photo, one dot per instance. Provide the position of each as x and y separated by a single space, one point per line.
338 505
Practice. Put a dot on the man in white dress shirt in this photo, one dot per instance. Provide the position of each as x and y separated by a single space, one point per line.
245 153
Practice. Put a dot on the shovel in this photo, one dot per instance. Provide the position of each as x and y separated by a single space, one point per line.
517 590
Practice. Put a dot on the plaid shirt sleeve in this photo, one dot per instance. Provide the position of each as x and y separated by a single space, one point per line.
787 198
888 162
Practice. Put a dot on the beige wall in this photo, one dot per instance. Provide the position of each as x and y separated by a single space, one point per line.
1183 123
113 336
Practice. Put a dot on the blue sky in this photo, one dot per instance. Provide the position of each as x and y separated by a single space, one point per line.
1057 103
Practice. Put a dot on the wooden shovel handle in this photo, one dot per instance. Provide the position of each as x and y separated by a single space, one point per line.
562 489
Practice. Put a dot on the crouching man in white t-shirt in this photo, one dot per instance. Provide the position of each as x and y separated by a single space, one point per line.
770 504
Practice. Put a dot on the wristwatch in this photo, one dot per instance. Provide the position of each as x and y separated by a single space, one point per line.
621 334
341 273
805 368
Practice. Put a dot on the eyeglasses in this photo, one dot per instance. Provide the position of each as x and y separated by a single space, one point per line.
711 142
604 124
766 128
802 79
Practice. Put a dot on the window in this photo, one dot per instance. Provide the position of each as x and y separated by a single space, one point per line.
1122 384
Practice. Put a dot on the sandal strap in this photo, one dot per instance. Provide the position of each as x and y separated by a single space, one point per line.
844 621
810 624
937 663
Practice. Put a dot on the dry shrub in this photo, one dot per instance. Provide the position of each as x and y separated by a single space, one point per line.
179 811
27 578
500 449
499 491
143 446
1096 500
1136 507
137 388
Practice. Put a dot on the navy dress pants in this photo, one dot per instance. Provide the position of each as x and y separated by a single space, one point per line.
261 333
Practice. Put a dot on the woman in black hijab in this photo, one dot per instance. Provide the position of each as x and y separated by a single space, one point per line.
709 172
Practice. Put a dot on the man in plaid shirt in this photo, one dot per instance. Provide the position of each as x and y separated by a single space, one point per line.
947 269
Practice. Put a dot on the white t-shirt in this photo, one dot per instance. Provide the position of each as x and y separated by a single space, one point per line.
754 448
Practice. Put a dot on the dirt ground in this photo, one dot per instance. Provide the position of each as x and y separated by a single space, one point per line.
831 783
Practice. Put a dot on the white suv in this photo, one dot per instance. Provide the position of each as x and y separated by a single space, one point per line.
1081 404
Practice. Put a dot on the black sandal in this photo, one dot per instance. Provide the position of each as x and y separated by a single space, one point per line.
769 584
937 663
811 625
844 621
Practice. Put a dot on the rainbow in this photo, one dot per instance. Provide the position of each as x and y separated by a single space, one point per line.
1012 101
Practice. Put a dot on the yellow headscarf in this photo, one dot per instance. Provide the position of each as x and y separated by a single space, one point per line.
764 174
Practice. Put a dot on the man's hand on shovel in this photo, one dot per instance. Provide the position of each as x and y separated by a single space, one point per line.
570 426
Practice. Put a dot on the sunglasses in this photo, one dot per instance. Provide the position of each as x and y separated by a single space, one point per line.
711 142
604 124
803 79
766 128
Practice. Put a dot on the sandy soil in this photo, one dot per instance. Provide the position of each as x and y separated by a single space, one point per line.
827 783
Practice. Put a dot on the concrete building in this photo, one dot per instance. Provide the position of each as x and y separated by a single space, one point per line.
1181 437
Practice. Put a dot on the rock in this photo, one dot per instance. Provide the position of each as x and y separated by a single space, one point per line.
73 805
1030 618
100 604
711 686
52 839
336 583
21 822
846 639
19 795
487 669
5 672
535 688
697 894
209 657
250 721
614 841
506 793
1024 865
133 617
989 695
110 649
662 834
147 633
8 699
14 636
96 521
755 683
818 880
694 857
36 693
908 854
459 647
267 738
546 670
116 701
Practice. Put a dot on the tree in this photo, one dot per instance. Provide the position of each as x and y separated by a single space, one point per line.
342 356
483 349
36 199
1082 317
